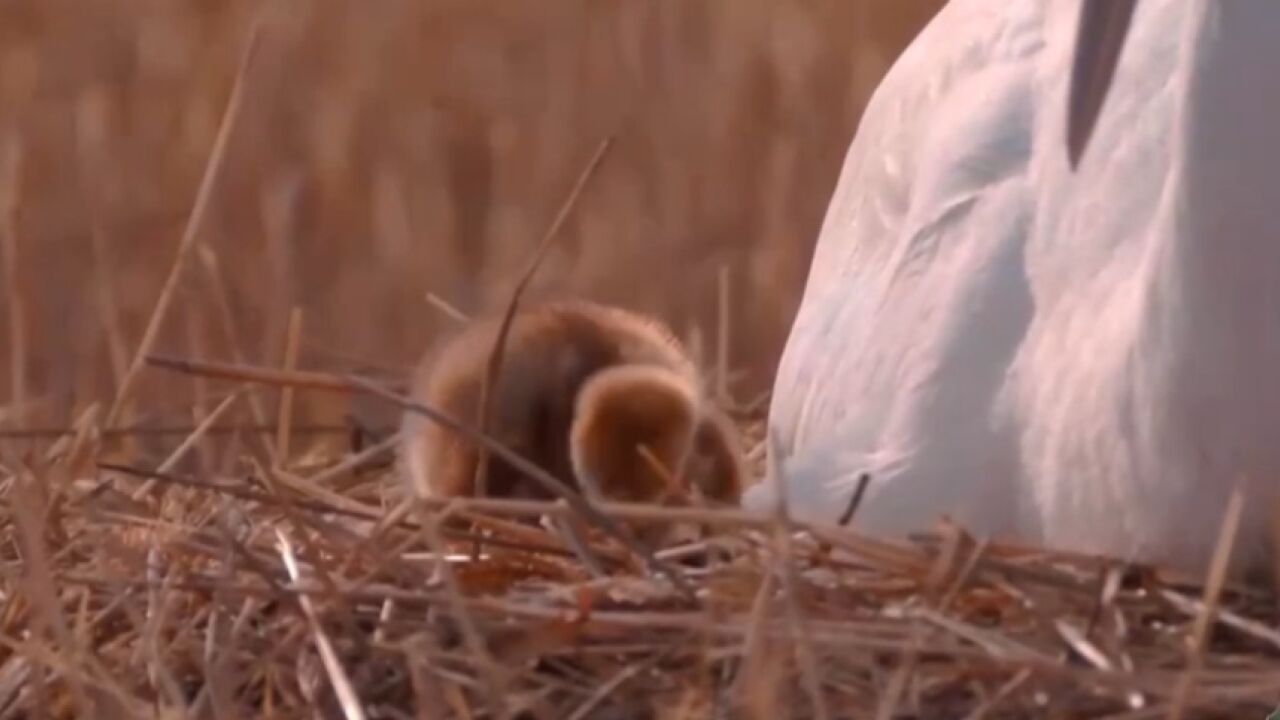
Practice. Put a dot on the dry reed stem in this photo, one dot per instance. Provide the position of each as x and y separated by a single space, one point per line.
492 675
1218 567
887 553
1196 608
195 222
672 489
285 417
355 461
753 681
892 697
180 452
109 308
1007 689
313 526
39 583
493 365
147 430
572 534
218 687
338 677
782 530
855 501
427 693
447 309
217 286
723 328
201 394
582 712
10 174
151 626
261 375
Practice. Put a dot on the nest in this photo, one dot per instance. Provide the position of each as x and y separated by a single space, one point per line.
311 589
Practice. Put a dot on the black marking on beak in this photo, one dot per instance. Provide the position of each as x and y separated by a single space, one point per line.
1100 37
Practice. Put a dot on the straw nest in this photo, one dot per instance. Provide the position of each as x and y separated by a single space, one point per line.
137 582
308 587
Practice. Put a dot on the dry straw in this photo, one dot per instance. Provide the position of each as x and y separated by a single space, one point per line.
390 615
269 592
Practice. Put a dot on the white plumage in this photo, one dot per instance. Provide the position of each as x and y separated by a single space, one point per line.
1086 358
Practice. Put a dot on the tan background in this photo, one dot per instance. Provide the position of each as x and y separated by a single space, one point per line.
389 148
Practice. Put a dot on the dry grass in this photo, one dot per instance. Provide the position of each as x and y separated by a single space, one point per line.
195 545
315 587
388 150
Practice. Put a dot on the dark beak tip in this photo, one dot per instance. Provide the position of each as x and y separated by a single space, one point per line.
1100 38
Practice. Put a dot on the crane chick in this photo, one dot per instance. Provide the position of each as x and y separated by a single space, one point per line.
599 397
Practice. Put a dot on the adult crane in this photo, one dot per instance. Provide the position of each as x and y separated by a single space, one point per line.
1048 316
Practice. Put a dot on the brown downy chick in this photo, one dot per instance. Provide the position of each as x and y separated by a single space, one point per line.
640 433
583 389
635 426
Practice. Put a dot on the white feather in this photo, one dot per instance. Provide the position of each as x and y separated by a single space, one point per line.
1085 359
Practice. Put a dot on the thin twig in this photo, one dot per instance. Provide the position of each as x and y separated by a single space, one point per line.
10 173
493 675
180 452
447 309
493 366
195 222
791 592
42 433
1212 593
285 417
338 677
723 316
1000 695
609 686
855 500
109 306
255 374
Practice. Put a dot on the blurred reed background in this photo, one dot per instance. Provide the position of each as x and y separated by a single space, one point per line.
391 148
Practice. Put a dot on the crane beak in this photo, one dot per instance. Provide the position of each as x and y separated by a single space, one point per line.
1100 37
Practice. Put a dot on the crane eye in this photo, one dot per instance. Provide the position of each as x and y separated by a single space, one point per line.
1100 37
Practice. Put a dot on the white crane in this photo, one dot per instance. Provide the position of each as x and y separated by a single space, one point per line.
1087 358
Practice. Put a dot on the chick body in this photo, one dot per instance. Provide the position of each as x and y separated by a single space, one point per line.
583 388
